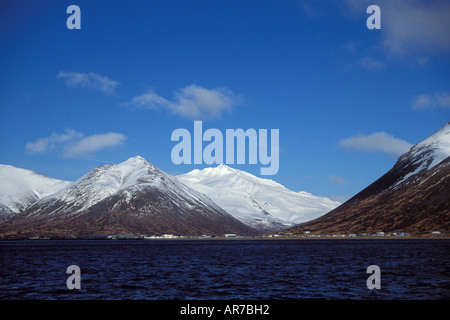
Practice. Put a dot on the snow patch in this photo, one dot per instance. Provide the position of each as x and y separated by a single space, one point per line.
428 153
20 188
258 202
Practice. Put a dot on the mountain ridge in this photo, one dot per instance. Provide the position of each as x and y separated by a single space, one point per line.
261 203
135 196
131 197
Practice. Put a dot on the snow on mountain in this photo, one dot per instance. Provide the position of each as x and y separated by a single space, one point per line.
426 154
130 197
125 178
411 197
260 203
19 188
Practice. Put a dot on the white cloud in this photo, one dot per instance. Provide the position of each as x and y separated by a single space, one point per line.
410 26
87 145
197 102
89 80
149 100
74 144
42 145
192 102
378 141
436 100
417 25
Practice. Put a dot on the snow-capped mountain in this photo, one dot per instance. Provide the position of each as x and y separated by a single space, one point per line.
414 196
261 203
20 188
133 175
136 197
426 154
130 197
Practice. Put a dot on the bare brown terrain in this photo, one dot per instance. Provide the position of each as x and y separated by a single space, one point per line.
419 205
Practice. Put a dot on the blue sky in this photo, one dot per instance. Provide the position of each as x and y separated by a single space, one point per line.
347 100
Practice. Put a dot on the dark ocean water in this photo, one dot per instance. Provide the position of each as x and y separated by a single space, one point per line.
224 270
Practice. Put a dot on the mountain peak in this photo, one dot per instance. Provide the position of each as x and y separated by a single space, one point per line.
135 160
220 170
259 202
134 165
223 168
426 154
440 138
132 196
138 158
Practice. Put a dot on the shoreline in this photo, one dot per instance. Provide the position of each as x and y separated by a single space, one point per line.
238 238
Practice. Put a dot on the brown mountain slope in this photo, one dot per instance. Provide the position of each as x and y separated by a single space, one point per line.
414 196
130 197
421 206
